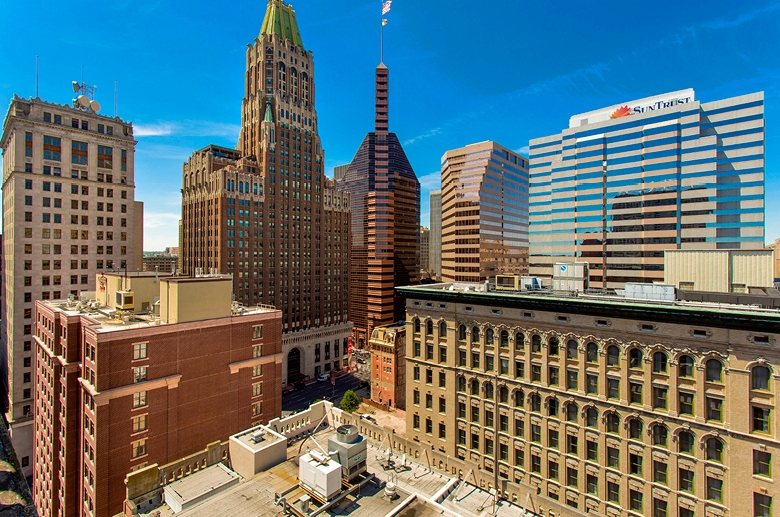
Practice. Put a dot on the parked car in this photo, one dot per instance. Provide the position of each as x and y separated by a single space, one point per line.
368 418
324 377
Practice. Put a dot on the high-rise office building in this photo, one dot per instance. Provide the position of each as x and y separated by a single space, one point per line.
425 244
69 211
266 213
597 405
125 382
434 249
385 223
484 221
339 171
623 183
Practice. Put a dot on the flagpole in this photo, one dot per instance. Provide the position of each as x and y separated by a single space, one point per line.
381 36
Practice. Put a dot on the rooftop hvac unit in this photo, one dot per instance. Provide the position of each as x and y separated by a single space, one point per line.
124 300
258 436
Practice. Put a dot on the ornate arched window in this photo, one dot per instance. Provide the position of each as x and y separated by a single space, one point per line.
519 398
503 395
592 417
635 427
489 390
536 402
635 358
571 349
760 378
660 362
571 412
504 339
613 423
714 449
429 328
613 355
660 435
593 352
443 329
685 442
461 383
552 407
536 343
714 370
519 341
475 335
416 325
462 333
553 344
685 366
489 336
474 387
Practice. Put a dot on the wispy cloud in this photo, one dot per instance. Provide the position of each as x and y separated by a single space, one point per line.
187 128
161 129
522 150
160 219
427 134
430 181
739 20
161 152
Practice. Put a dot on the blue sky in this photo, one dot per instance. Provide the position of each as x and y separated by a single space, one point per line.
460 72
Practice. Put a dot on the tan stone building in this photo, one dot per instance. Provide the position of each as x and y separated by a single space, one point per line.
599 405
484 213
69 211
267 214
123 383
425 244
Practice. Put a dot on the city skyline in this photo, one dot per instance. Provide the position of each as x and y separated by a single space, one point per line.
424 45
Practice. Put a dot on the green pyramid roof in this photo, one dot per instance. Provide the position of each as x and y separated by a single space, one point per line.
280 20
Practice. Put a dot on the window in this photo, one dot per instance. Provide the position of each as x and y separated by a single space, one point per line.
257 331
591 450
536 433
489 336
659 507
714 370
659 397
443 329
762 505
552 469
613 423
139 423
613 388
519 369
635 464
659 471
416 421
635 358
536 463
553 375
553 346
660 435
139 448
442 431
760 419
139 351
257 389
715 489
592 352
593 384
613 458
429 328
462 333
686 480
613 492
660 362
571 444
613 355
78 152
635 429
571 379
591 484
475 335
139 374
714 409
536 373
635 500
571 477
552 439
105 157
762 464
714 449
416 325
686 366
686 403
519 341
591 417
571 412
139 399
571 349
536 343
442 379
635 391
760 378
685 440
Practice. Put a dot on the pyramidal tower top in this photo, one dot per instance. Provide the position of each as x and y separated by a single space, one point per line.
280 20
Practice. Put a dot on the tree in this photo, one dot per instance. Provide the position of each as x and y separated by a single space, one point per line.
350 401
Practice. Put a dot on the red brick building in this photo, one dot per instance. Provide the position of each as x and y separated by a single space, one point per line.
120 388
388 365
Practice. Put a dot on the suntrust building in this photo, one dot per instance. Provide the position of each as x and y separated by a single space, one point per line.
623 183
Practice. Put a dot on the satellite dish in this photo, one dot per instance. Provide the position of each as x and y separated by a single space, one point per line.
95 106
76 86
83 101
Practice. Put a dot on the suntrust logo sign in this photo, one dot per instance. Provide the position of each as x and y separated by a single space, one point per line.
626 110
657 102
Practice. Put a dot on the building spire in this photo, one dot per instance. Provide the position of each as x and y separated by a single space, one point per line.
382 116
280 21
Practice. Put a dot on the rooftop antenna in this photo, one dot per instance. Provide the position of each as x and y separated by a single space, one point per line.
116 94
385 10
36 76
86 98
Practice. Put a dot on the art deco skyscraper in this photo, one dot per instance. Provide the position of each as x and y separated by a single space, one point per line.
385 223
266 213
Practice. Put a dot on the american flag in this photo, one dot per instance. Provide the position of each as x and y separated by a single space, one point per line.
386 7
